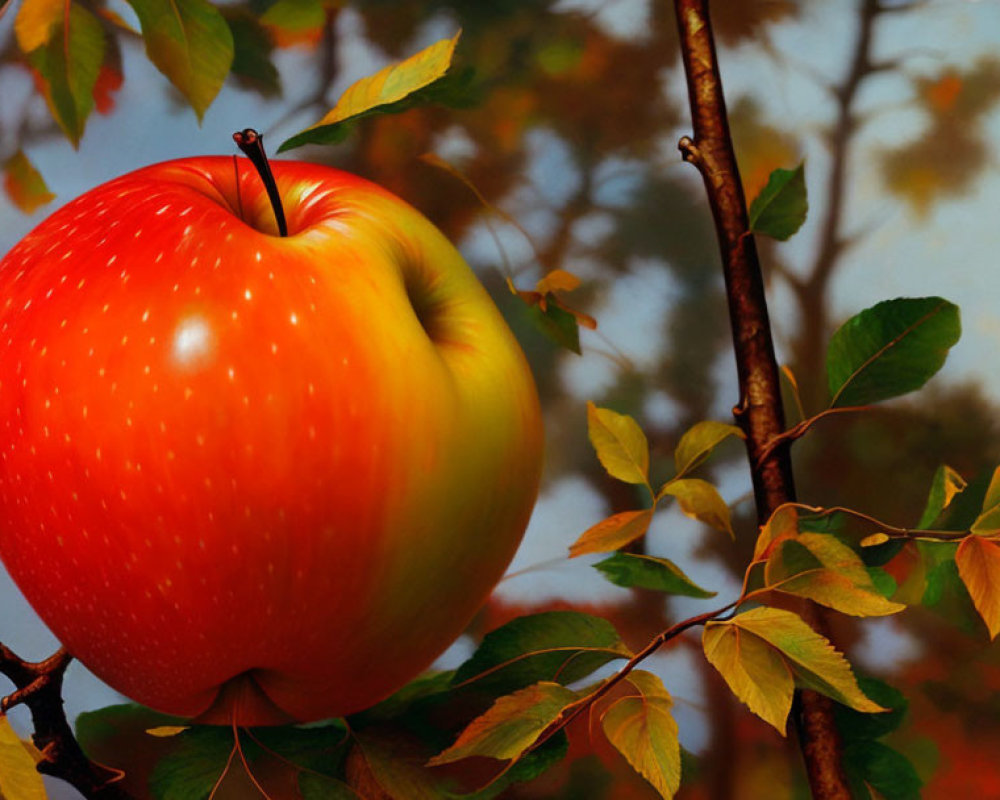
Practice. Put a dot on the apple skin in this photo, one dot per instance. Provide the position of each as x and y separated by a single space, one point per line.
254 479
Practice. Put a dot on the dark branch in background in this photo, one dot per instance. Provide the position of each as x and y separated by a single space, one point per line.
810 291
759 413
39 688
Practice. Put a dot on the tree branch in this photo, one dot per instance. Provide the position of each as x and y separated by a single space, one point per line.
39 688
759 413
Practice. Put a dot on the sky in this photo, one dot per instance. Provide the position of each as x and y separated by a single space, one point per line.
951 252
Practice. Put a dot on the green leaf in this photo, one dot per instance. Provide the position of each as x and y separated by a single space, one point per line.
191 770
563 646
189 42
511 725
855 725
609 534
700 500
36 22
759 651
319 747
93 728
699 441
19 780
397 704
382 92
558 325
874 765
68 65
620 444
295 16
780 208
946 484
647 572
643 730
819 567
890 349
24 184
252 65
988 522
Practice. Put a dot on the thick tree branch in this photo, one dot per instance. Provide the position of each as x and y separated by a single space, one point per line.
39 688
759 412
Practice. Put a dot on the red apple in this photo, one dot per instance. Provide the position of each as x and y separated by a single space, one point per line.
254 478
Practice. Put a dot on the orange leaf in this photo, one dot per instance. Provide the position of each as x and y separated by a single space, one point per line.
616 531
24 184
511 725
109 81
559 280
978 562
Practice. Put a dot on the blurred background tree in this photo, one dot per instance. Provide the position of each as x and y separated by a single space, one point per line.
569 126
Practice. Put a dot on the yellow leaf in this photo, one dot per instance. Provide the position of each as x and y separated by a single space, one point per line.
988 521
754 670
701 500
744 650
874 540
782 524
35 22
620 444
166 731
24 184
393 83
813 660
978 562
818 567
558 280
612 533
642 729
649 684
511 725
699 441
19 780
954 484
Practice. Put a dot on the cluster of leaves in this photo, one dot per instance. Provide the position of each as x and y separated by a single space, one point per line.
954 103
74 55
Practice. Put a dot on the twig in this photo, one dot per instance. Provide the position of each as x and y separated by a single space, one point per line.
892 531
572 711
759 412
39 688
800 429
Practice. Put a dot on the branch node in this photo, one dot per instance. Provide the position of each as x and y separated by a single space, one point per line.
689 151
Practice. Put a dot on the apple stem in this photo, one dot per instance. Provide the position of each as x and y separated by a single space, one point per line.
252 145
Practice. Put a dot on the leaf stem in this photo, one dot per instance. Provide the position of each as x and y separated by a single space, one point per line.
252 145
572 711
801 428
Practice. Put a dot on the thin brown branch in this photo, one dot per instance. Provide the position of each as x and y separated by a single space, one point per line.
39 688
574 710
892 531
800 429
759 413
